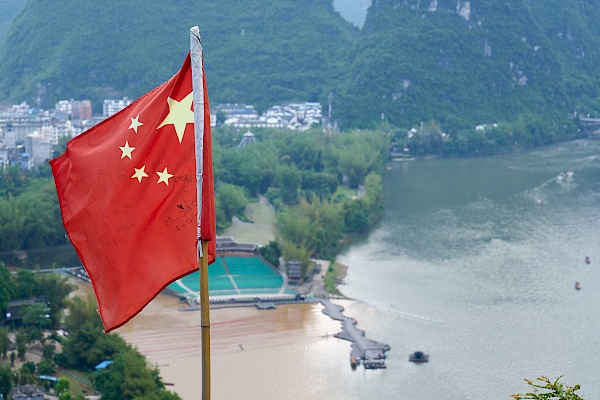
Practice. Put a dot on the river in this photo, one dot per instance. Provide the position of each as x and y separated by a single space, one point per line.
475 263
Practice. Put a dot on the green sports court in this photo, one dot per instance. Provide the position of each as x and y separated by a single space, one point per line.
234 276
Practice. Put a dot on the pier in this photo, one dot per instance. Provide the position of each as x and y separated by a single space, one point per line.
369 352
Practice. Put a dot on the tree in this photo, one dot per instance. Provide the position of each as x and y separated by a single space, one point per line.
21 339
48 351
6 286
46 367
129 377
36 315
88 346
81 310
549 390
271 252
328 223
62 385
56 288
298 230
357 153
230 199
289 179
26 286
373 192
356 216
6 378
4 341
26 374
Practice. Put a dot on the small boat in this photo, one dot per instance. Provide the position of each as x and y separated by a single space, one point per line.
577 286
418 357
587 260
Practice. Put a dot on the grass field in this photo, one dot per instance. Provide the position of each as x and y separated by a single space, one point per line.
262 228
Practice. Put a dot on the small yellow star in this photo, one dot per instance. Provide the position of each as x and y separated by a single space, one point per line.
139 173
180 114
163 176
135 123
126 150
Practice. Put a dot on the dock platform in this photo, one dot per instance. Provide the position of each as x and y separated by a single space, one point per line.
370 352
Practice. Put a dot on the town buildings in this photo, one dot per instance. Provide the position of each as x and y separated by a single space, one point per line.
28 135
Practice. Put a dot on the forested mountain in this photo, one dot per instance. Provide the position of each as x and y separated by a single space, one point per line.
260 52
451 63
8 10
463 63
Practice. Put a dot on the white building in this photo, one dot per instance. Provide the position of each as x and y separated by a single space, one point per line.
112 107
295 115
39 145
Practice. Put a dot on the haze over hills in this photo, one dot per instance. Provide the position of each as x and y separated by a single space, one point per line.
453 63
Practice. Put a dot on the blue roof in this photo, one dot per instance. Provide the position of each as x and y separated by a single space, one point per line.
49 378
103 364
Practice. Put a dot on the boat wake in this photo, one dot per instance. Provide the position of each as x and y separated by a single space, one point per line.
407 315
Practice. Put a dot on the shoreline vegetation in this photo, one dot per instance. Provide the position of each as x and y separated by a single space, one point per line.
260 229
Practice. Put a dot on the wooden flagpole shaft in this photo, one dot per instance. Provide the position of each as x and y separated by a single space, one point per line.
205 321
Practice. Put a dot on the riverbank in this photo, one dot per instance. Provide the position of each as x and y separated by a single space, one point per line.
269 354
263 351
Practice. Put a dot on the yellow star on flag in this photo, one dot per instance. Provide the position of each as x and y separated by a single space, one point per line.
126 150
135 123
180 114
163 176
139 173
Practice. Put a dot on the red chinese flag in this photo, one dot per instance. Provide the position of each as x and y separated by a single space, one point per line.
127 190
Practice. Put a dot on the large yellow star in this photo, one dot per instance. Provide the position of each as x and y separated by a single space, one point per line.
126 150
163 176
180 114
135 123
139 174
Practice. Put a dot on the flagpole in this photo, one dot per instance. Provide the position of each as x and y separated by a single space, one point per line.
205 321
199 105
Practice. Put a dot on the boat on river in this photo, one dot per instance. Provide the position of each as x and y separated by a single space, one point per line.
418 357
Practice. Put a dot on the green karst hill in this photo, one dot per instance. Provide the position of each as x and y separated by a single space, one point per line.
472 62
452 63
257 52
